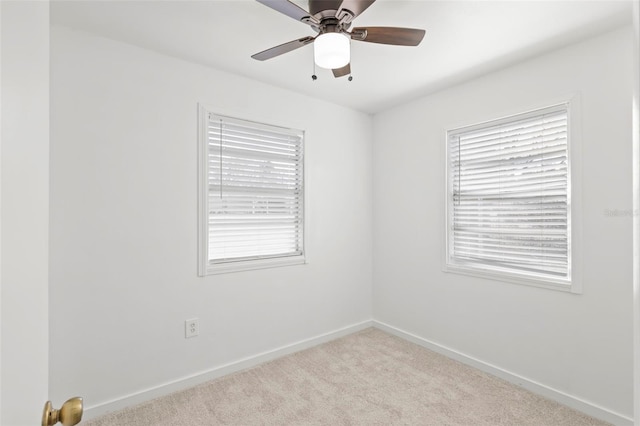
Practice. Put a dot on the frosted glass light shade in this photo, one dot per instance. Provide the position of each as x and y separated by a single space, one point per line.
331 50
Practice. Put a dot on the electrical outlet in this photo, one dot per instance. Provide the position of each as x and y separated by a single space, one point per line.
191 328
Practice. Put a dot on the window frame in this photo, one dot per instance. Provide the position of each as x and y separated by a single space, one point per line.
207 267
574 202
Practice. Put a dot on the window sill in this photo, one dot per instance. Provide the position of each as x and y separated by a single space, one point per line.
514 278
248 265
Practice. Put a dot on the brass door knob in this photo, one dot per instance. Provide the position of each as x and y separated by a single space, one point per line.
69 414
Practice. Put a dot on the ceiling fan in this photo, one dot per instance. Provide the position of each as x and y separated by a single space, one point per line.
331 19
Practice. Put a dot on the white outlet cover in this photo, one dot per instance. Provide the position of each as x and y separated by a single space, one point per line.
191 328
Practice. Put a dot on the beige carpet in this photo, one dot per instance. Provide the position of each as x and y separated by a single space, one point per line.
367 378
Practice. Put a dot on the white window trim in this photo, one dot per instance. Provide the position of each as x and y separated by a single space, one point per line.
205 267
574 208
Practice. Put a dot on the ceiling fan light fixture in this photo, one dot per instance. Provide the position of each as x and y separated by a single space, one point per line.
332 50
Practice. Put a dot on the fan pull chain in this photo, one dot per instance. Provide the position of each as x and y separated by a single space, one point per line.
314 77
350 73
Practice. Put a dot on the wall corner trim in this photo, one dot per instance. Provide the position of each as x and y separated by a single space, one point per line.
528 384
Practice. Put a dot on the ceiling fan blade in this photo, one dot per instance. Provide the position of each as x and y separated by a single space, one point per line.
283 48
341 72
356 7
389 35
287 8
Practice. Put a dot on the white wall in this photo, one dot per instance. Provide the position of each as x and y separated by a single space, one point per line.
579 345
124 219
24 212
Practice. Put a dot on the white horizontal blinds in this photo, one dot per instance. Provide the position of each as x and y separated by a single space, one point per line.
509 185
255 193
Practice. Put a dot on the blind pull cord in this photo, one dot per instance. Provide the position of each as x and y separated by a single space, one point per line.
220 160
459 172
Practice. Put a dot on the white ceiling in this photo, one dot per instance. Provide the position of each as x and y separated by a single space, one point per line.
464 39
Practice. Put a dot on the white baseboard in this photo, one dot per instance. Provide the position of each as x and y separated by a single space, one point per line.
205 376
535 387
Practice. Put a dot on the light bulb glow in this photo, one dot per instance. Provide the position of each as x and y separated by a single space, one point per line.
331 50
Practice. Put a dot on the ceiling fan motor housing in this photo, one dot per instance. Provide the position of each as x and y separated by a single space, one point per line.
330 25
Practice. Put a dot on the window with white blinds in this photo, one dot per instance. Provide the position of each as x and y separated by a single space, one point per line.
509 196
253 190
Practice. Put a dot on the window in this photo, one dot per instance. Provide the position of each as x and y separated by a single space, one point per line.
251 194
509 198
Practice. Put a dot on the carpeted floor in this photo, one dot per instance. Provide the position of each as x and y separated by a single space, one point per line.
367 378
